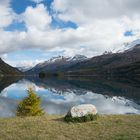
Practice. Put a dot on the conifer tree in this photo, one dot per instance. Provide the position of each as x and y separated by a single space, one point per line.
30 106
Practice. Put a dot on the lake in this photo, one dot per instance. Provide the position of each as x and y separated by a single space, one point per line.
110 96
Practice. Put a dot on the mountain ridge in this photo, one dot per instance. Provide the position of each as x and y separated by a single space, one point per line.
59 62
6 69
126 63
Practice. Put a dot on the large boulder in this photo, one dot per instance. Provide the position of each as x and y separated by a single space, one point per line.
82 110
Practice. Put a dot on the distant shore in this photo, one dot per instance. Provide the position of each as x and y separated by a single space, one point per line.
52 127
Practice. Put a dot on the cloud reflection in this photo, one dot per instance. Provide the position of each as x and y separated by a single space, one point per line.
54 103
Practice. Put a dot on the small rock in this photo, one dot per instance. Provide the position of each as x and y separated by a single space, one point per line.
82 110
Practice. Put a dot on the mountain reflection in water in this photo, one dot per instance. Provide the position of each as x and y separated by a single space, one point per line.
110 96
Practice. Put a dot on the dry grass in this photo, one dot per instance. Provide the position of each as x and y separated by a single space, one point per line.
112 127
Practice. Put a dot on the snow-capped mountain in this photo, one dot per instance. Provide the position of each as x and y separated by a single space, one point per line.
62 59
134 45
58 63
126 62
23 69
78 58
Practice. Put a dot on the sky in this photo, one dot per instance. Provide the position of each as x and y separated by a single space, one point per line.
32 31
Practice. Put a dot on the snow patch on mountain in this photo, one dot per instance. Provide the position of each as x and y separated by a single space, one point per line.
53 60
134 45
24 69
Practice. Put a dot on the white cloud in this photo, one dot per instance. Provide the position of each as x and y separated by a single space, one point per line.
101 27
37 20
6 13
91 39
103 22
37 17
94 35
85 11
5 56
53 103
24 63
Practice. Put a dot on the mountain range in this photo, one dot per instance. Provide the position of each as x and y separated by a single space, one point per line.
122 63
56 64
126 63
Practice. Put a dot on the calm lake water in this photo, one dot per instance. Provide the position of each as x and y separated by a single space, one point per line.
121 96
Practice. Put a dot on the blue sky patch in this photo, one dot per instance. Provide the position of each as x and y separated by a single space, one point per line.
16 26
57 23
31 54
128 33
19 6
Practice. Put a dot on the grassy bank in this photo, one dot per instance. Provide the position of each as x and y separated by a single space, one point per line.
112 127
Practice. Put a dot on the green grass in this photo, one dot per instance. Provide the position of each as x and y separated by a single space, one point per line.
112 127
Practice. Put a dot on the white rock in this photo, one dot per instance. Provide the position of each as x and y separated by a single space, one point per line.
82 110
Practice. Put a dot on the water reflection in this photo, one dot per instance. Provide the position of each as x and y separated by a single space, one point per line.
58 95
7 107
